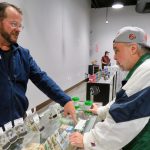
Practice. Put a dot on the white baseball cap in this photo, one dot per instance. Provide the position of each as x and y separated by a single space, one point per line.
131 34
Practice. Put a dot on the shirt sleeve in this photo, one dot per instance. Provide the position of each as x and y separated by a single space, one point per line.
103 110
109 135
113 135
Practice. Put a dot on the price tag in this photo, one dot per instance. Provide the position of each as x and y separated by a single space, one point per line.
29 112
8 126
18 121
1 131
36 118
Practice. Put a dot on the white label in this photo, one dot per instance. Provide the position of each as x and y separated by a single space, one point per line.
1 131
36 118
18 121
8 126
80 125
29 112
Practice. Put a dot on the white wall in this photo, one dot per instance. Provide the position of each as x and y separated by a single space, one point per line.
57 35
102 34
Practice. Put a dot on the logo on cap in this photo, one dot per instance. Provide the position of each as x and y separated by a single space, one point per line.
132 36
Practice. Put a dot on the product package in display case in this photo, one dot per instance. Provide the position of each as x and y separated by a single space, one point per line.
32 121
4 141
25 142
48 130
34 146
10 132
20 127
31 142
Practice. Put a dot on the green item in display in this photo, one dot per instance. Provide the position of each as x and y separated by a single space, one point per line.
88 103
75 99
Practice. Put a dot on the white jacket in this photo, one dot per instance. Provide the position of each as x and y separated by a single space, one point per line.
125 117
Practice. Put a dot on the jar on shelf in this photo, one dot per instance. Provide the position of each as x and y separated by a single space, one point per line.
76 102
87 105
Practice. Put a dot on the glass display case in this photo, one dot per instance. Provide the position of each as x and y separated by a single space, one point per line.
48 130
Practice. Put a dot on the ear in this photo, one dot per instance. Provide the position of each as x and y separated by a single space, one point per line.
134 48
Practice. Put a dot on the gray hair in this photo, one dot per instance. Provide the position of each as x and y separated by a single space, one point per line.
145 49
142 49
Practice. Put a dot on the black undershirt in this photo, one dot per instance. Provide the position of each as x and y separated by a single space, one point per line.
6 56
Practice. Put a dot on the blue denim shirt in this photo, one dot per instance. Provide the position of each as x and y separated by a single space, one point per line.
13 102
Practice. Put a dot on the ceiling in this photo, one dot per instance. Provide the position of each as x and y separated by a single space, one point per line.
108 3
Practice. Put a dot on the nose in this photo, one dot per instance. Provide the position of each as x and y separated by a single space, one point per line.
18 30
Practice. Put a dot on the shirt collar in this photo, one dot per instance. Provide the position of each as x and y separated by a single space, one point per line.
139 62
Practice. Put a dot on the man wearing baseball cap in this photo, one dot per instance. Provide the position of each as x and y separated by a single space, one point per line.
126 122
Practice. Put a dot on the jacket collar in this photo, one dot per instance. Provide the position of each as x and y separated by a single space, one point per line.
14 47
139 62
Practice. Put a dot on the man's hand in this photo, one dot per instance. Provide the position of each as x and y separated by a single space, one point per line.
69 109
94 109
76 139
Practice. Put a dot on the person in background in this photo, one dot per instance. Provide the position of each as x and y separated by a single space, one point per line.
126 122
17 66
105 60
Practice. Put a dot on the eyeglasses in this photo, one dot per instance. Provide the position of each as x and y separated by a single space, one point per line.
14 24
